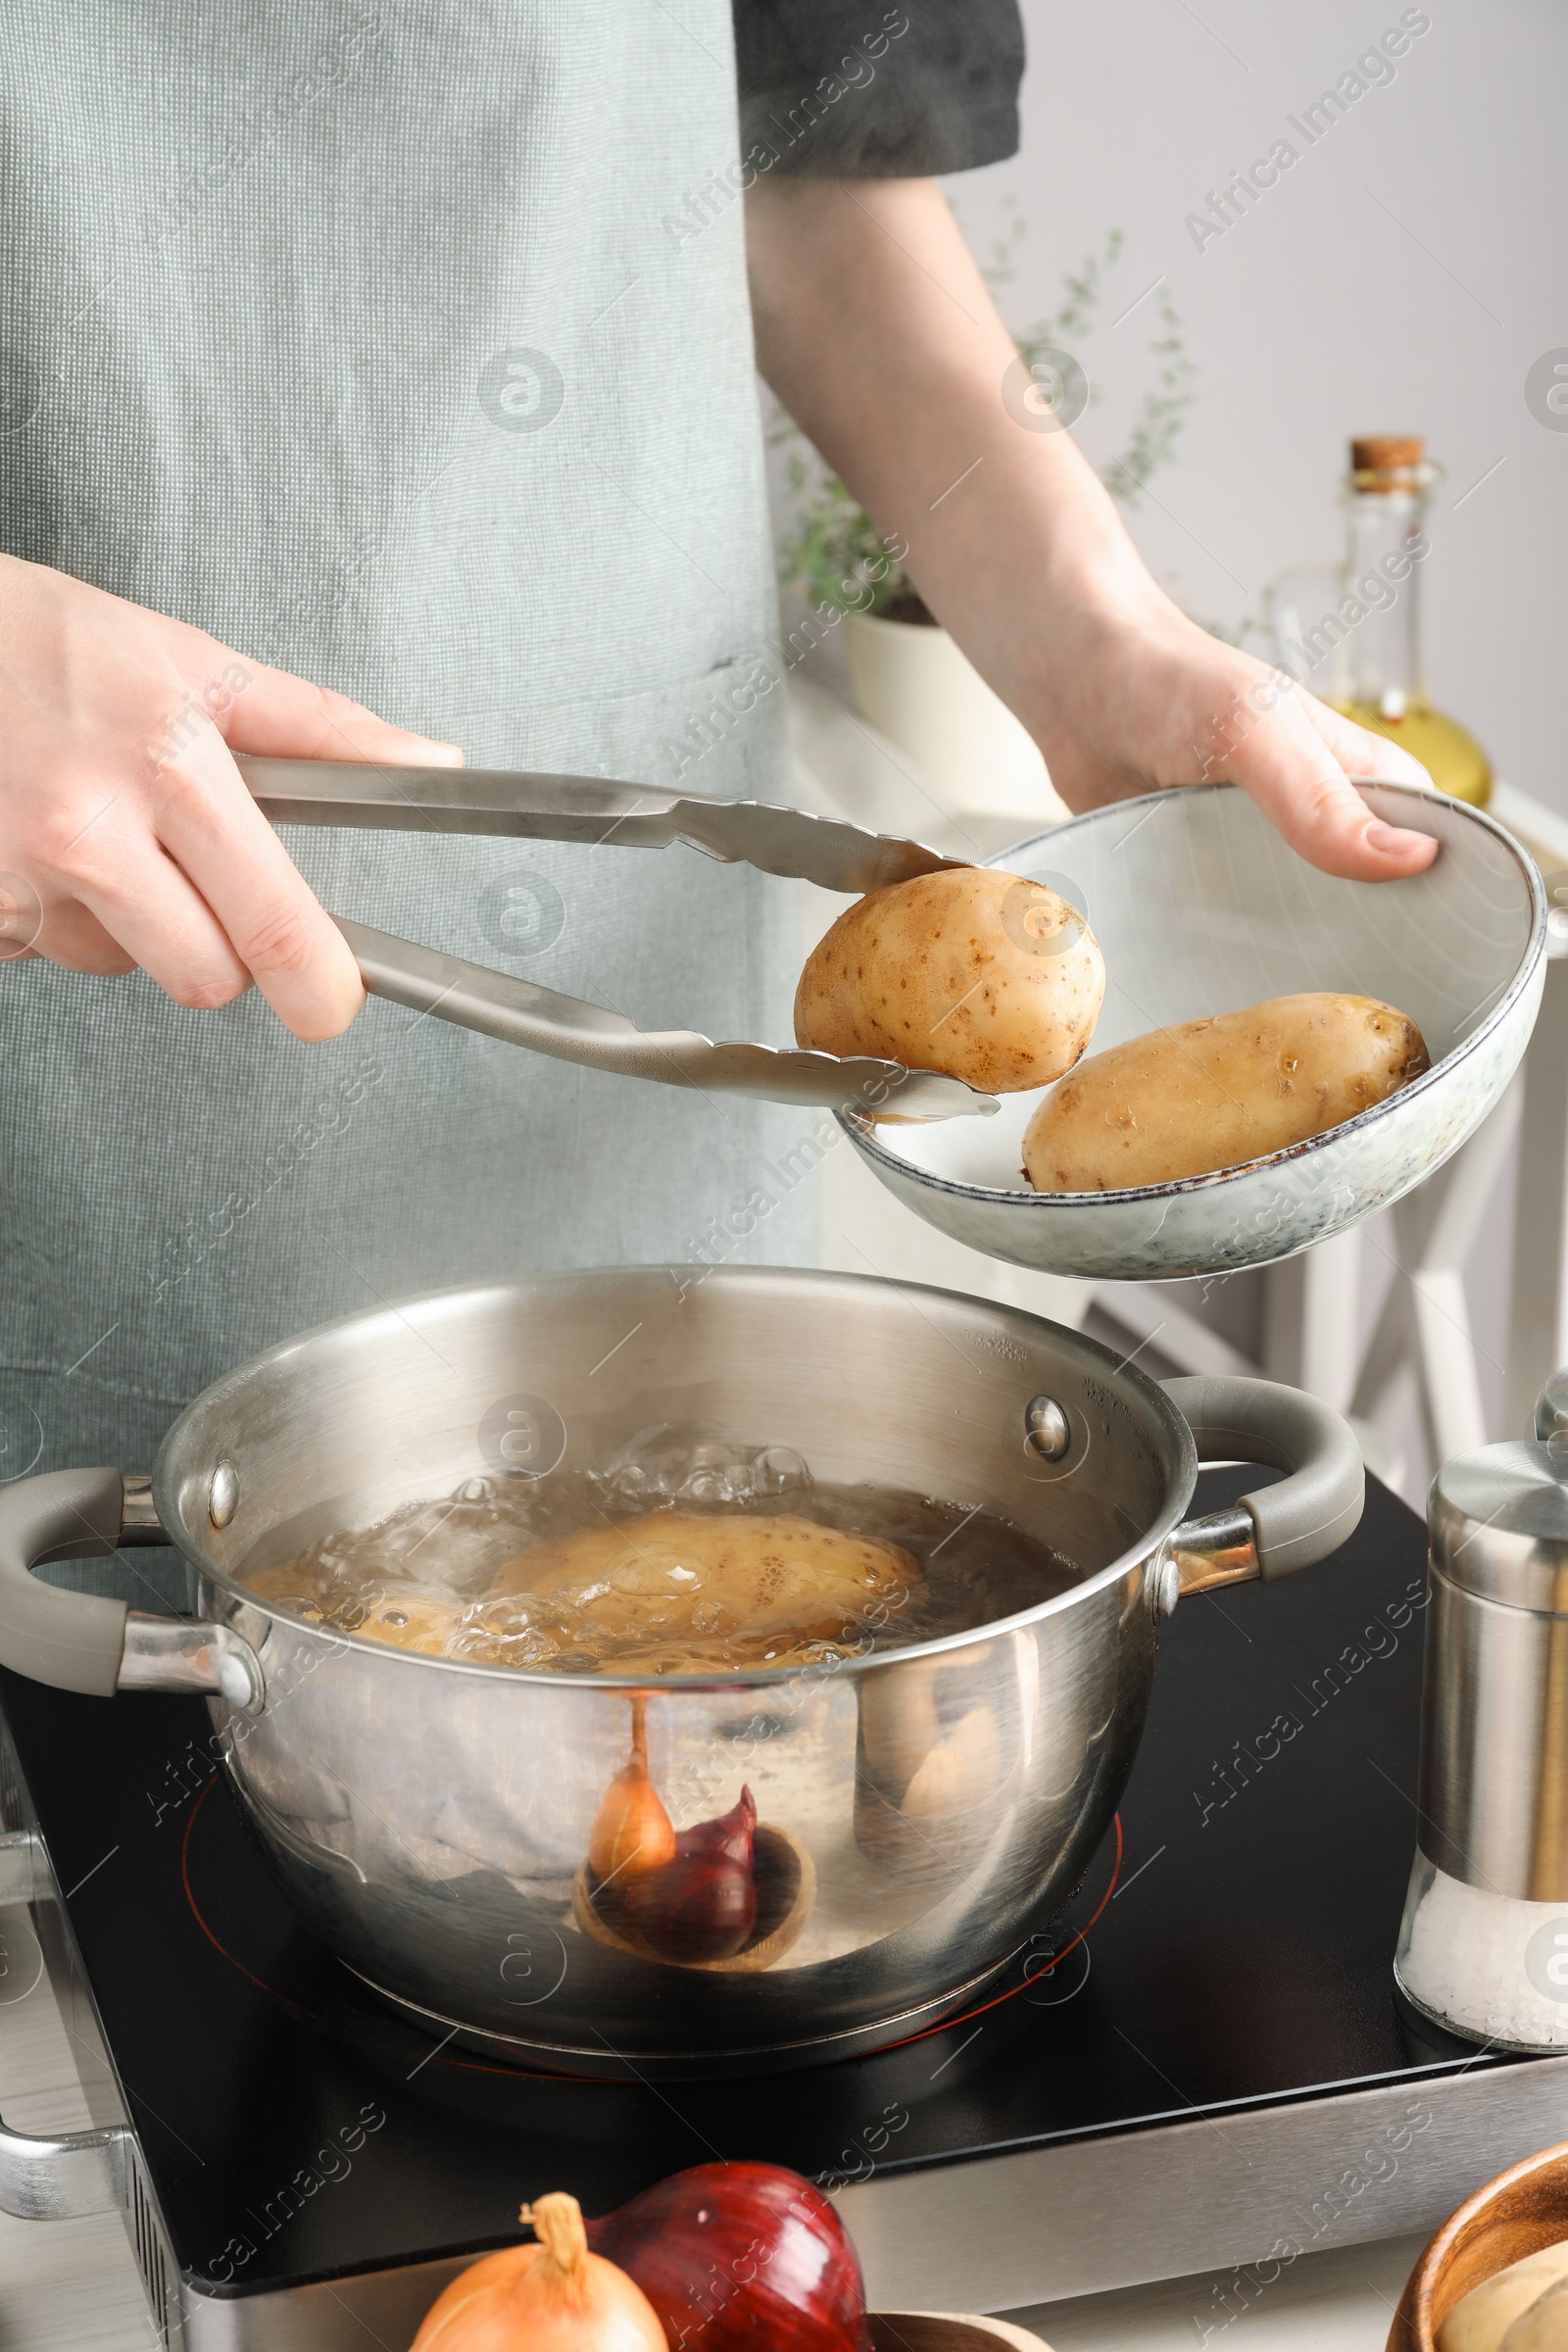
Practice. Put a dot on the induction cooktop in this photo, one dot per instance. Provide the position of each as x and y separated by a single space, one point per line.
1207 2063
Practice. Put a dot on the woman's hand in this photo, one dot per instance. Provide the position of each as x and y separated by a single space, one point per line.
127 834
1138 696
877 334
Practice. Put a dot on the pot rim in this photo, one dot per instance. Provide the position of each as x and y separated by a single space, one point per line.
1096 1359
860 1127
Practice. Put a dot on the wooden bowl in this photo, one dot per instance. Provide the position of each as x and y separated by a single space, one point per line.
785 1878
944 2331
1515 2215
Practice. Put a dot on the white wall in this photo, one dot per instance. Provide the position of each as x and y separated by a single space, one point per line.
1318 314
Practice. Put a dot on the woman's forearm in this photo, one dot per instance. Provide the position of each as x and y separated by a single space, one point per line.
877 334
876 331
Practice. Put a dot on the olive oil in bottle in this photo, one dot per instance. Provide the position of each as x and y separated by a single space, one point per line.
1380 682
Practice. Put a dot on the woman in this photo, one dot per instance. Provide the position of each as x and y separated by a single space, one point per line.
380 383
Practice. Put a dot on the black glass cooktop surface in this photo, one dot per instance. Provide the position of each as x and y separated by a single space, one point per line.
1230 1945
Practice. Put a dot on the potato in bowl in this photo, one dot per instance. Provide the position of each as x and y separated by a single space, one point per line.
1219 1093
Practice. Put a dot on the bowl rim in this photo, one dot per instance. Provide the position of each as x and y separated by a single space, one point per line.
860 1127
1168 1423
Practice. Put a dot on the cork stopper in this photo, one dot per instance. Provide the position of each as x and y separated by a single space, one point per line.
1391 460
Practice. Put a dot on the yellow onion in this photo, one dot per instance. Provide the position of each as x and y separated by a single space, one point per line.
550 2297
632 1833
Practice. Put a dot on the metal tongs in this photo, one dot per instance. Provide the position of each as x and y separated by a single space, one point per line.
606 813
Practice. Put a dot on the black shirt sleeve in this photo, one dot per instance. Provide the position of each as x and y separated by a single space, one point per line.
876 92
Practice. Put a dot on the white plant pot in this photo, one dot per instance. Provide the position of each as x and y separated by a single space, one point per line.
915 687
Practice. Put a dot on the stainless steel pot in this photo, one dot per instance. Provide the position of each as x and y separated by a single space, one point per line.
923 1813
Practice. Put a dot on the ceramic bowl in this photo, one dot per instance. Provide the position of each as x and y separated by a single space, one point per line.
1515 2215
1201 907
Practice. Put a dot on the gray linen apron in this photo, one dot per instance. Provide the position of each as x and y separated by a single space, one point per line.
354 333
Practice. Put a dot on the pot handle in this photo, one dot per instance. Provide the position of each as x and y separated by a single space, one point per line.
81 1640
1314 1508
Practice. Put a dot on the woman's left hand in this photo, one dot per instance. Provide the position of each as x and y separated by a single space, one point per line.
1136 696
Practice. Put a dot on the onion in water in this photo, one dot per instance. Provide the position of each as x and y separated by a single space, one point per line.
550 2297
735 2257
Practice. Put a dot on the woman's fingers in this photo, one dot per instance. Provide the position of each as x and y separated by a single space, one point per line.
73 936
206 820
125 887
126 821
212 829
254 895
1296 763
1141 697
278 715
1370 758
151 912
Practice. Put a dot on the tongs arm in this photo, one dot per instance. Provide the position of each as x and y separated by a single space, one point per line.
606 813
597 810
569 1029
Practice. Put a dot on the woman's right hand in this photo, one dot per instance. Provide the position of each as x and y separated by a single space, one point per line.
127 835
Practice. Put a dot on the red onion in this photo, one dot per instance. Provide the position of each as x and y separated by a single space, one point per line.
736 2257
702 1905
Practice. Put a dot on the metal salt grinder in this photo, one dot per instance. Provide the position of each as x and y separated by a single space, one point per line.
1484 1946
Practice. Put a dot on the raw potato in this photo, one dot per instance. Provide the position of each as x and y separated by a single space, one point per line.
1219 1093
1479 2320
980 974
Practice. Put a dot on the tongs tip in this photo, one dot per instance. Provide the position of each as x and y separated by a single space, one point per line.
903 1096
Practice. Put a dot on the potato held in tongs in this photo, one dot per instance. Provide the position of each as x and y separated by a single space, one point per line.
983 975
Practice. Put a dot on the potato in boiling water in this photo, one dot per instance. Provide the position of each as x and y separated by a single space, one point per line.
982 975
412 1620
692 1580
409 1616
1218 1093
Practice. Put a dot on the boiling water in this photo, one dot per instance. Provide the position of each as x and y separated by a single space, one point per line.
628 1583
